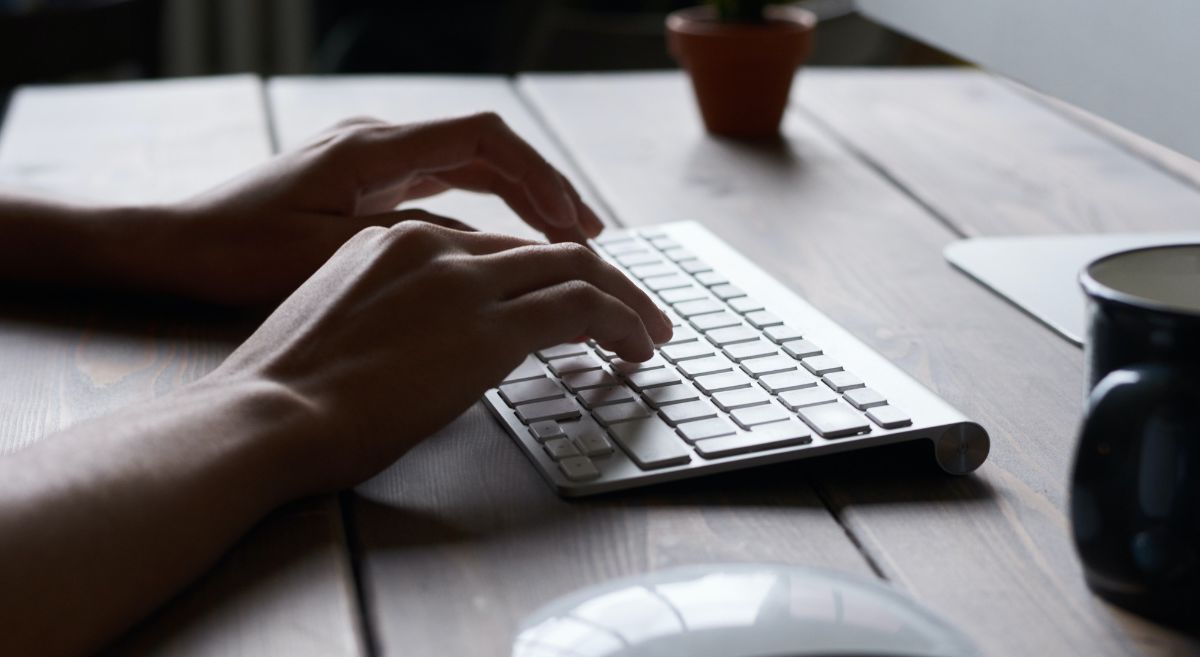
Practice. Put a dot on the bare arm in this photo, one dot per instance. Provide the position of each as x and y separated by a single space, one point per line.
102 522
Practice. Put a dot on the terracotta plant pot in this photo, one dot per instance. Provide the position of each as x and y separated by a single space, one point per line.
741 72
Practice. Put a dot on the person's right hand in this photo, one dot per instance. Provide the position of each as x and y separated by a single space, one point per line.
405 327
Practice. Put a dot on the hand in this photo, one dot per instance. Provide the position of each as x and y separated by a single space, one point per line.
255 239
406 327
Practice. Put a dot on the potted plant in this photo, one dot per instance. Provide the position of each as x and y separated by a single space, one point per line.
741 56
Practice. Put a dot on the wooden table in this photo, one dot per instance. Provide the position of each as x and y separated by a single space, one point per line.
443 553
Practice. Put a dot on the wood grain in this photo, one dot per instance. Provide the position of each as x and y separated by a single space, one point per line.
992 161
1170 161
286 589
461 538
991 551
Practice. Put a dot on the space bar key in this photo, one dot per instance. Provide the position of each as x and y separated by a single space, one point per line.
651 443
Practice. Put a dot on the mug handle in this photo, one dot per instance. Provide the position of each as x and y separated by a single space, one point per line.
1135 489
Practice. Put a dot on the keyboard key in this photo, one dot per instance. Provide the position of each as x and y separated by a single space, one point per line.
664 395
805 397
683 334
746 350
834 420
688 350
545 430
639 258
653 378
731 335
713 321
623 246
612 237
703 429
679 254
676 414
726 291
728 400
597 397
563 350
768 436
594 444
710 278
757 367
791 380
624 367
745 305
589 437
606 354
530 369
561 366
701 366
663 243
689 309
762 319
713 383
889 417
659 268
578 468
864 398
821 365
781 333
801 349
651 233
756 415
610 415
577 381
560 448
694 266
842 381
553 409
681 294
651 444
533 390
660 283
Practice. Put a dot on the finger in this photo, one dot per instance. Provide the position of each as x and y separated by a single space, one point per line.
523 270
482 179
559 313
386 154
477 178
389 219
589 222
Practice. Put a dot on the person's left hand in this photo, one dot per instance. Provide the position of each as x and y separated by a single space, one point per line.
257 238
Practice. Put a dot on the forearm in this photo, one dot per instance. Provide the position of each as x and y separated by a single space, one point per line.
101 523
43 241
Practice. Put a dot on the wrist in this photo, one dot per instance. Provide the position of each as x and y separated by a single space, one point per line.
273 428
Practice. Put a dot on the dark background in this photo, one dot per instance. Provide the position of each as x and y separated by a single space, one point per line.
75 40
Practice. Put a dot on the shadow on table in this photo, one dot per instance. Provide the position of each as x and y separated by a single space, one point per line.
727 167
115 314
470 482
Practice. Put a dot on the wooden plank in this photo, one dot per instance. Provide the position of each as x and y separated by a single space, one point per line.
1175 163
463 528
992 551
990 160
286 588
133 142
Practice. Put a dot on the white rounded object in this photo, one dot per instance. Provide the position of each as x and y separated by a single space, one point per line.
738 610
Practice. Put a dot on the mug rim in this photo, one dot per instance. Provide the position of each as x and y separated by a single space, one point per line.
1097 290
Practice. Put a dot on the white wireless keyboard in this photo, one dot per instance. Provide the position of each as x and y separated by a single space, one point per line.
753 375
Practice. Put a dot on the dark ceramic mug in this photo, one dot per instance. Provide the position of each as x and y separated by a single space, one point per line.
1135 489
